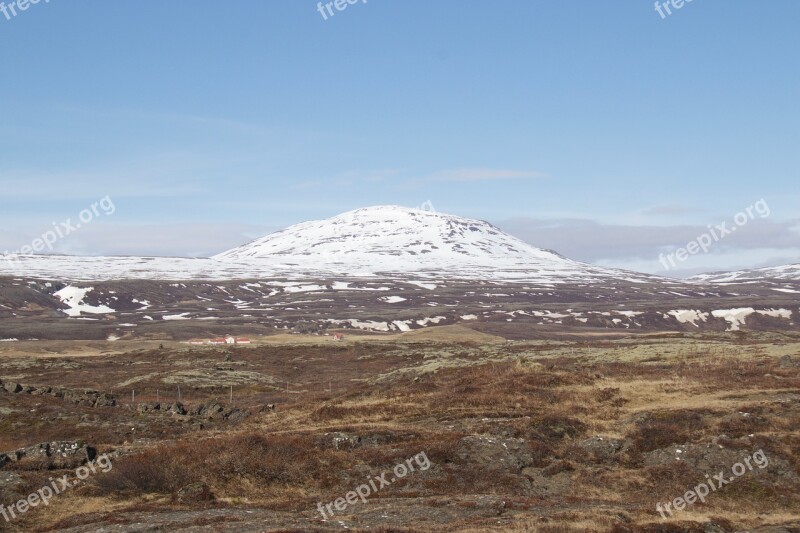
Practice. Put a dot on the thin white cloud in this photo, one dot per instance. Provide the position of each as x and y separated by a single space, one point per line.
482 174
350 178
669 210
637 247
169 240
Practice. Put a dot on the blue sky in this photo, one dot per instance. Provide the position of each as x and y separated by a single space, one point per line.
597 129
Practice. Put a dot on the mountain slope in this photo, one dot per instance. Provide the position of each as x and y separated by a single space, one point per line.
392 239
778 273
395 232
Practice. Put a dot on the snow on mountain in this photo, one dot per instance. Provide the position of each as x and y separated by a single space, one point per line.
392 239
369 242
778 273
396 234
74 268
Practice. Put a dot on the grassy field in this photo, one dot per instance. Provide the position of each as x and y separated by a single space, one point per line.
581 433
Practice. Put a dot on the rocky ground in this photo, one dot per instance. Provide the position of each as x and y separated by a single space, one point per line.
581 434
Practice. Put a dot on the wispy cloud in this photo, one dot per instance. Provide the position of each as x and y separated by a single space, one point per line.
669 210
170 240
637 247
482 174
350 178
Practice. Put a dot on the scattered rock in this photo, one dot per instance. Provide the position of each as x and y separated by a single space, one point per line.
194 493
236 415
105 400
718 455
341 441
177 408
13 388
597 450
88 398
148 407
495 453
215 410
54 455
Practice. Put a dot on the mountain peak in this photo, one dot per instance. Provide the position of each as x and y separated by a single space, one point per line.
391 239
389 231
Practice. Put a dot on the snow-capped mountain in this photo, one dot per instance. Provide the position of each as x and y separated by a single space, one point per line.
383 241
397 233
382 269
778 273
392 239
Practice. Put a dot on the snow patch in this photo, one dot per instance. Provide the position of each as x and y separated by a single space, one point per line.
369 325
777 313
73 298
736 317
402 325
432 320
689 316
181 316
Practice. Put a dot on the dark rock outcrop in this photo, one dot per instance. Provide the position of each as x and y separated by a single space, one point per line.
56 455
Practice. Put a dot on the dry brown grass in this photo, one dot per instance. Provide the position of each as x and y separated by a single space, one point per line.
532 391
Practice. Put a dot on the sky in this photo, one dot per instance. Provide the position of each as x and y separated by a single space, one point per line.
601 130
